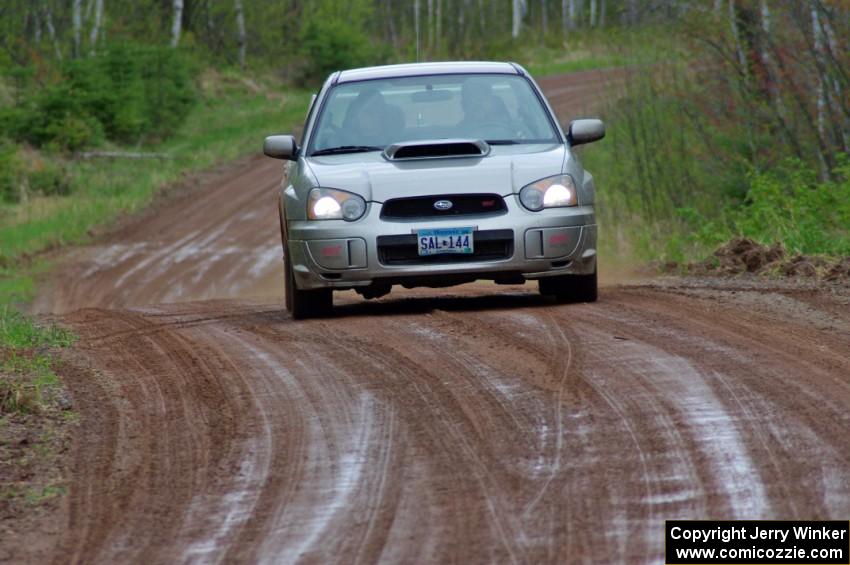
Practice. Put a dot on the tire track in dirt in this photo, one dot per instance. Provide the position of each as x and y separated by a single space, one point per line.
363 440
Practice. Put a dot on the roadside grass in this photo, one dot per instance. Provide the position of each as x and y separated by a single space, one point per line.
234 114
669 192
27 379
36 420
590 49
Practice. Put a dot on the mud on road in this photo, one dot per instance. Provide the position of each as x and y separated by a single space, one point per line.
473 424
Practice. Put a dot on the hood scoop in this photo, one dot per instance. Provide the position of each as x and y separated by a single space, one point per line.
436 149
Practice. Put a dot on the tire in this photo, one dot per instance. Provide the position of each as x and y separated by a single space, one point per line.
570 289
299 303
303 304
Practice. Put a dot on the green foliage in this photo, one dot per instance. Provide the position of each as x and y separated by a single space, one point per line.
23 174
674 186
9 172
126 93
49 177
19 331
332 45
234 113
25 368
788 205
785 205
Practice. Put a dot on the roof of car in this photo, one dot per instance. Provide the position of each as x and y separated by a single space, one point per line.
419 69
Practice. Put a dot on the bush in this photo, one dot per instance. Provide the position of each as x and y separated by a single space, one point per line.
49 178
788 205
330 45
9 172
126 93
26 172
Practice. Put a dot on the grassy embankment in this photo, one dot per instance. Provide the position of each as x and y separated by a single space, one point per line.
228 121
695 157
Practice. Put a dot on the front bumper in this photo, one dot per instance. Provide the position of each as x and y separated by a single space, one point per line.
342 255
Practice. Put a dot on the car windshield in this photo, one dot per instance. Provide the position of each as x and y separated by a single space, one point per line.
370 115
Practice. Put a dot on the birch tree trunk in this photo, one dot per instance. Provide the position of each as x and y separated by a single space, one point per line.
820 64
773 75
544 17
482 16
767 59
736 36
430 24
240 31
601 13
177 23
416 26
836 91
51 30
95 28
592 13
564 19
516 21
36 32
77 23
439 23
572 14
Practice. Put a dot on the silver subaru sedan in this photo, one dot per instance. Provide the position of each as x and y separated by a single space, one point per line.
434 174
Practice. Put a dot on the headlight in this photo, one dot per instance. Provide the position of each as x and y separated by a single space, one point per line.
551 192
332 204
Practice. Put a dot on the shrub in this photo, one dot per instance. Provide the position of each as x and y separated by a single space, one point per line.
788 205
49 178
9 172
330 45
785 205
26 172
125 93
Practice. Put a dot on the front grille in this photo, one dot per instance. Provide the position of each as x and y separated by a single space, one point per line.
462 205
488 245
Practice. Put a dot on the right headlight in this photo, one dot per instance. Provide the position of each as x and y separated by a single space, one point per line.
552 192
333 204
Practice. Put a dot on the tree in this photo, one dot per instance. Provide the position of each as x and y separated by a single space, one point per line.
176 22
77 22
95 28
240 31
518 13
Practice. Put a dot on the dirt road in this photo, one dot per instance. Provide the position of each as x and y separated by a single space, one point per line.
475 424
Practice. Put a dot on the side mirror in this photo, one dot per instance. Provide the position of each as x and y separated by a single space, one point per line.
585 131
280 147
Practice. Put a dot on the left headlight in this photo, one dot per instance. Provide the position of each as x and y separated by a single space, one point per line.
552 192
332 204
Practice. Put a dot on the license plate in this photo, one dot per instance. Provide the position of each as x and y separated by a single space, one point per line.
445 240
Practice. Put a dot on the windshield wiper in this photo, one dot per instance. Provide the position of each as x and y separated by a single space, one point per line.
502 142
346 149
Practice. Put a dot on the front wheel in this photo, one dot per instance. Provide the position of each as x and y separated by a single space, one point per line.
305 303
570 288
